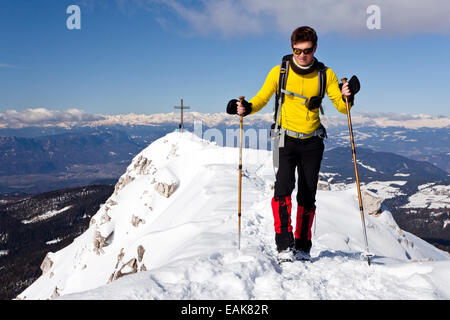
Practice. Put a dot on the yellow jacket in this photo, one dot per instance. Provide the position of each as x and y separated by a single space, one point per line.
294 115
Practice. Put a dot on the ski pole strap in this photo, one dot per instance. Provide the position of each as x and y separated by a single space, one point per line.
278 142
277 117
281 138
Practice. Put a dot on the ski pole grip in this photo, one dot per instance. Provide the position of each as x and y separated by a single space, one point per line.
344 81
241 98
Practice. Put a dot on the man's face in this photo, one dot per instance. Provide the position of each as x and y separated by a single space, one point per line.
304 58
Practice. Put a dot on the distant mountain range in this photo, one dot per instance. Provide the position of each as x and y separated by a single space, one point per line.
42 117
70 158
73 149
58 152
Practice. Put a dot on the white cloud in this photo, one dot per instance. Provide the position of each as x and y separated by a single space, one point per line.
237 17
227 17
44 117
5 65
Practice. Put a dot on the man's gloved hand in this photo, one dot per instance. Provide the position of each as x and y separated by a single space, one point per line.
235 107
314 102
350 88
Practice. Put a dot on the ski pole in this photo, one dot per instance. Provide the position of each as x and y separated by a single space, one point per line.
241 121
367 254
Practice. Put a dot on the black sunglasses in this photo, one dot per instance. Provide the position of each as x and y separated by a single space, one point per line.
305 51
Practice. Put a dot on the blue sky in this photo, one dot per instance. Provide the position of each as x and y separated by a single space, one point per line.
142 56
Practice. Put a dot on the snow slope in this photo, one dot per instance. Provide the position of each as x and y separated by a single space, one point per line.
185 246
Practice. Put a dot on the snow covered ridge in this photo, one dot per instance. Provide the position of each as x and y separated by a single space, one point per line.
169 231
431 196
46 215
75 117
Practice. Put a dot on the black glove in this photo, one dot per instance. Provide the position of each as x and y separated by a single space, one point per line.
354 86
314 102
232 107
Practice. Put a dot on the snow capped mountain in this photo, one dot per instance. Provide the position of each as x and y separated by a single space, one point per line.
43 117
170 231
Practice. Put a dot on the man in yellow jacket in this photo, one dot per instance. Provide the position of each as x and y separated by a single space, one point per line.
301 143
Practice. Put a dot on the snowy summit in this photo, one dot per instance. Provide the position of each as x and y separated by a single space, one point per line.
170 231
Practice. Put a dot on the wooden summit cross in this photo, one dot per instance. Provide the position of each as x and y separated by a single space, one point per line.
182 107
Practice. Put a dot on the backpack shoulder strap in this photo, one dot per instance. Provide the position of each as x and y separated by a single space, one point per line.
279 98
322 75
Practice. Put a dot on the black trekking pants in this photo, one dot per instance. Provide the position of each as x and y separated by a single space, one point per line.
305 155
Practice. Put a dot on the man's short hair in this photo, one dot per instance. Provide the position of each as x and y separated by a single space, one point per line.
302 34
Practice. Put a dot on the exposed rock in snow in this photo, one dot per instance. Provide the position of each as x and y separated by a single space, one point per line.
47 263
105 218
135 221
140 251
371 202
132 266
166 182
55 293
99 243
323 185
142 165
127 268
